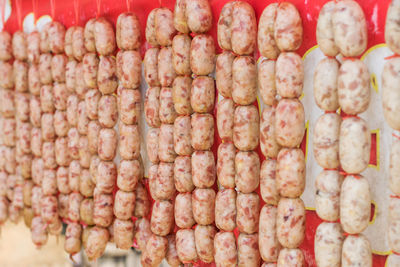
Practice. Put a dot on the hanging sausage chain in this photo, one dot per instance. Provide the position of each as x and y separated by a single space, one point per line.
390 93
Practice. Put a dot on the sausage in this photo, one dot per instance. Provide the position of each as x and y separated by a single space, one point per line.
181 49
90 65
203 201
103 209
327 198
390 93
202 54
3 185
243 29
268 144
247 165
73 234
61 125
162 183
9 131
86 186
266 81
39 231
391 30
61 151
49 181
142 205
129 145
124 205
129 106
181 94
223 73
354 155
156 249
152 144
150 31
74 175
131 69
202 134
45 68
22 106
267 238
289 75
356 250
150 66
107 80
324 32
107 146
108 111
166 150
69 75
68 39
167 113
152 107
79 42
326 84
37 170
266 28
20 75
6 75
326 140
25 162
290 222
224 26
37 196
394 171
7 108
248 252
10 160
354 87
355 204
128 175
46 99
289 122
48 154
225 210
4 209
89 41
93 169
92 135
225 111
246 128
203 169
34 79
164 26
162 218
244 80
73 143
49 209
186 246
72 110
54 228
96 242
5 46
288 30
183 211
166 72
290 257
328 244
63 205
180 16
183 174
58 67
84 153
56 35
226 165
225 249
107 174
349 28
290 172
48 132
123 233
142 232
393 236
80 85
128 31
202 95
172 254
60 96
19 47
198 15
62 180
28 216
248 208
204 240
104 37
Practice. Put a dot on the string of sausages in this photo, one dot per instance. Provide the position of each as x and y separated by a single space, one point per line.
390 91
129 74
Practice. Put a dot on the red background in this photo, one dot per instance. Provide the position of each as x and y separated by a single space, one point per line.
65 12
